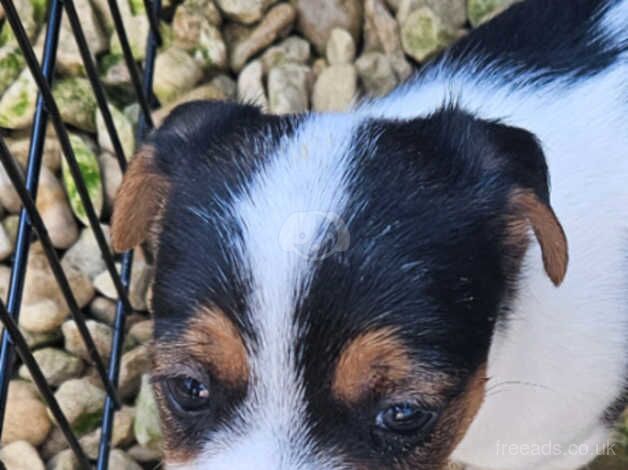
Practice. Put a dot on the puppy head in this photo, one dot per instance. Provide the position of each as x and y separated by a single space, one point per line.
327 286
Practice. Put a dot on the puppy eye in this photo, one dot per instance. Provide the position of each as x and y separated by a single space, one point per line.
188 394
406 419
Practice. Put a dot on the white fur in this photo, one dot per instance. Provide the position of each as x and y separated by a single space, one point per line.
563 357
304 179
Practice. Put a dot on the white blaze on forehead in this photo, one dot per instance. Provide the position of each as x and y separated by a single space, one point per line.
299 194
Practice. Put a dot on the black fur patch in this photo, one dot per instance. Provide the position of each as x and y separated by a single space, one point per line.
540 40
427 256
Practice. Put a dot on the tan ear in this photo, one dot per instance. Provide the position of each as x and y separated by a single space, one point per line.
139 201
547 229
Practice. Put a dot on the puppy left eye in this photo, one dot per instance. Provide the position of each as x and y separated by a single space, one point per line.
406 419
188 394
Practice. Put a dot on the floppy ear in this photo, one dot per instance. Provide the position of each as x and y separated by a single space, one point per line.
523 162
139 200
174 151
529 210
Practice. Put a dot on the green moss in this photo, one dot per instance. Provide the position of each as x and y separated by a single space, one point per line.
39 10
137 7
6 35
480 11
90 171
423 34
109 60
76 102
87 423
11 63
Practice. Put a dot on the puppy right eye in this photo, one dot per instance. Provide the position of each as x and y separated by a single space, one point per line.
187 394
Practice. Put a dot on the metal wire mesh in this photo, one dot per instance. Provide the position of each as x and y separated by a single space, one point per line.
26 186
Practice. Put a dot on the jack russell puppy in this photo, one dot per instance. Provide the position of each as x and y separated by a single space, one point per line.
399 286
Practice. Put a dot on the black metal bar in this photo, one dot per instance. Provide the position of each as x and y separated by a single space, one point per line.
44 388
143 127
94 79
153 21
23 239
142 98
66 146
13 172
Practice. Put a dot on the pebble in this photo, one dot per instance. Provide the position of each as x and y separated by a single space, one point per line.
20 410
56 365
69 59
381 30
204 92
44 308
103 310
81 403
423 34
288 88
293 49
6 244
132 365
51 156
39 340
147 428
121 436
277 22
111 177
85 255
244 11
317 18
340 47
335 88
55 211
195 29
144 454
124 128
453 12
226 85
21 390
5 277
90 170
169 86
119 460
77 102
480 11
376 73
8 196
251 87
10 226
137 28
141 277
21 455
11 64
17 104
101 334
64 460
142 331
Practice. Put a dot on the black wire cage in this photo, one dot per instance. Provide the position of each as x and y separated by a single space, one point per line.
26 185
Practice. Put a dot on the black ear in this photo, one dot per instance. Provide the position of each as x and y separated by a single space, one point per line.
506 164
178 145
522 162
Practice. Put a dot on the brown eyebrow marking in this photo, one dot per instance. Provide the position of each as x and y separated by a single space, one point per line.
377 361
211 339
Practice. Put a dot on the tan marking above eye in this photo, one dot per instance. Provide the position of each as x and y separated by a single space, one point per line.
378 361
211 339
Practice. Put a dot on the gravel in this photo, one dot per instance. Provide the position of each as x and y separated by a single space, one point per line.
285 56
